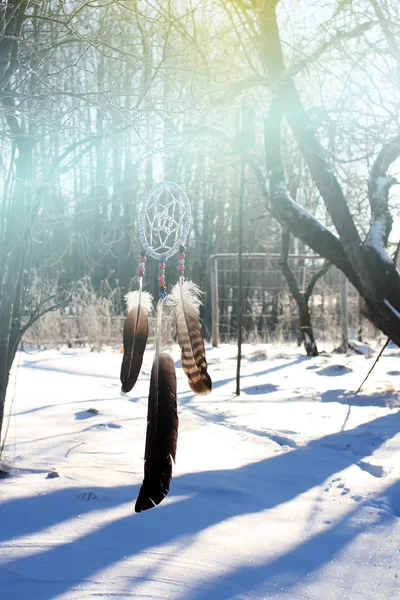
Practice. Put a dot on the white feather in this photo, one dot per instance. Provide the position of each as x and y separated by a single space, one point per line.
190 294
132 300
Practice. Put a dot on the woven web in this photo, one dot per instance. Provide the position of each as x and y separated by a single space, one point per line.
165 220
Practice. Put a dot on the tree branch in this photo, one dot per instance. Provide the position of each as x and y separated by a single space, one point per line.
379 185
296 218
238 87
286 270
236 147
310 288
38 313
387 32
312 150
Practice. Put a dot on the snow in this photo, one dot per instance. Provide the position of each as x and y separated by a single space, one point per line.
394 311
382 184
298 212
291 490
376 240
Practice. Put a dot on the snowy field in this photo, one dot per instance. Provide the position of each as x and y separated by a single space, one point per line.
291 490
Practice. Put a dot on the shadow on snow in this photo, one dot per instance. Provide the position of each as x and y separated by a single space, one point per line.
202 500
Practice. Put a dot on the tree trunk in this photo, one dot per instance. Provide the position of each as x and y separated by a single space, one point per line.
306 330
20 214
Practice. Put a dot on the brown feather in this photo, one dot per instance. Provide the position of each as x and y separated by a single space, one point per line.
190 339
135 334
193 353
161 436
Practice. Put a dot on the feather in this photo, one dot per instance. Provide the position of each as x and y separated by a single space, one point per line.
161 436
185 301
135 334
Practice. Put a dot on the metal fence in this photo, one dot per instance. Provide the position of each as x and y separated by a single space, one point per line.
73 330
269 311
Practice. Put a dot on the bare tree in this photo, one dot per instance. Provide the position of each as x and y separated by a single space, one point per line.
365 262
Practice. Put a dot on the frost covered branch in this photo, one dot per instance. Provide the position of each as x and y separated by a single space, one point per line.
297 219
378 193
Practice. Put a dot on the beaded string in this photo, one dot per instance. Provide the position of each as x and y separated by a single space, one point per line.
161 272
161 278
161 269
142 265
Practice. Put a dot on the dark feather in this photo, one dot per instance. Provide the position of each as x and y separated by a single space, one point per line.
161 436
193 355
135 338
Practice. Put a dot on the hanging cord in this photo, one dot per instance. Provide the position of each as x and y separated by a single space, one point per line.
160 306
157 358
181 271
140 274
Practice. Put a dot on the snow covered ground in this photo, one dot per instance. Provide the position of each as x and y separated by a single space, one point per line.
291 490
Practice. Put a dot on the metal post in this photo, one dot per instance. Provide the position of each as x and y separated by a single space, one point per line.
344 320
214 302
240 276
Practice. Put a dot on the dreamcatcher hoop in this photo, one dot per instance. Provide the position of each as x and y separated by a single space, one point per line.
164 220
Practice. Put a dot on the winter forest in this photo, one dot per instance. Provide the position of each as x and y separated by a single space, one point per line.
280 119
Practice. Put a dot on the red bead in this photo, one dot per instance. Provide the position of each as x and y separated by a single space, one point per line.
142 259
141 271
161 283
181 268
161 265
181 255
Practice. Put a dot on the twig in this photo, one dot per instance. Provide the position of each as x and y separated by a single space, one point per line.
373 366
73 448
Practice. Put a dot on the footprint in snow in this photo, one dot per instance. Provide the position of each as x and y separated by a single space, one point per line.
109 425
357 498
345 491
340 486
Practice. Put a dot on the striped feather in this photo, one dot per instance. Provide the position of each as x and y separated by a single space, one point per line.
161 436
185 301
135 335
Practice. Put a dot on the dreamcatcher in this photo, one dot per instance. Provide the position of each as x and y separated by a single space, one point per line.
163 226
